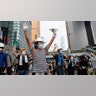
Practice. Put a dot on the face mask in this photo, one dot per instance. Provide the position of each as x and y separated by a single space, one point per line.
23 53
40 46
61 51
7 52
72 58
1 49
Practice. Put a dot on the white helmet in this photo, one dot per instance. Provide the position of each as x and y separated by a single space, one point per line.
59 48
2 45
39 40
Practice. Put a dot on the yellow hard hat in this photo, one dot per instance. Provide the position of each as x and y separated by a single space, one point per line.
22 49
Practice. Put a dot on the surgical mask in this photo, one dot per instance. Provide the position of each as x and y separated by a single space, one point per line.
1 49
72 58
7 52
61 51
23 53
40 46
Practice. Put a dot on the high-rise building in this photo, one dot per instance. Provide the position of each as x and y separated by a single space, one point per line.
16 32
81 34
35 30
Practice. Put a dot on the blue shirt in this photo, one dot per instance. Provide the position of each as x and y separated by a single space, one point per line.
3 60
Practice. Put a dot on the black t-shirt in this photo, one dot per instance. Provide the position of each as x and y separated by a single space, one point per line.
84 63
24 66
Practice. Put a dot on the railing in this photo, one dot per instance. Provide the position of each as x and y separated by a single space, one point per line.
90 50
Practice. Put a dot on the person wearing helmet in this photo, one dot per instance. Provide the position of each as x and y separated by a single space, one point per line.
3 60
59 61
39 53
23 66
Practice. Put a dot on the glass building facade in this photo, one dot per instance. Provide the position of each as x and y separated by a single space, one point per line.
16 32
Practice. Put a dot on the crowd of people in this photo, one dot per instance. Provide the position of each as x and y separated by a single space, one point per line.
70 64
35 63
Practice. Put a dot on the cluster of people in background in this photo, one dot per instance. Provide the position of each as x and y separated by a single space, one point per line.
70 64
35 62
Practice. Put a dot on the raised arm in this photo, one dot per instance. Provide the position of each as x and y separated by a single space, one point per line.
52 39
53 52
14 51
28 40
67 54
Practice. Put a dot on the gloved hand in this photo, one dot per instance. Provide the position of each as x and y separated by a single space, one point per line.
25 27
15 43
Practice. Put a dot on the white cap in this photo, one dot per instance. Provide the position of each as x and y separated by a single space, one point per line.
39 40
2 45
